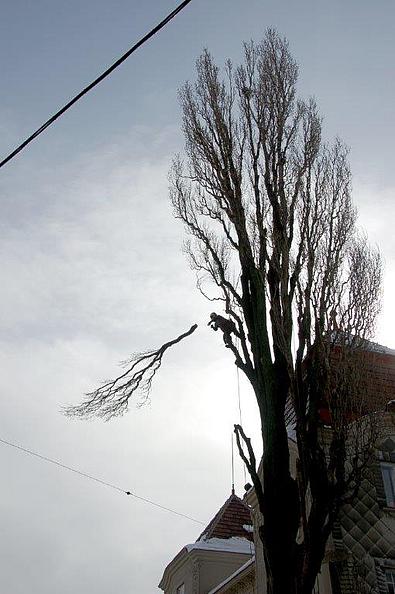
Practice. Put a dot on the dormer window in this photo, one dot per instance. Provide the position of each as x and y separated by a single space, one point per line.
388 473
390 580
181 589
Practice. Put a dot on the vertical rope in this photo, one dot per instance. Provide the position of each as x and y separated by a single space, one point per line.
240 417
241 424
233 467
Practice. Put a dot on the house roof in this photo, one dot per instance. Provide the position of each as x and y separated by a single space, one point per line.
378 369
381 377
232 520
234 544
375 347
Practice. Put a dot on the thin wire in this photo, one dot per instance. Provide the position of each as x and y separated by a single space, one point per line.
238 395
241 423
97 480
233 467
95 82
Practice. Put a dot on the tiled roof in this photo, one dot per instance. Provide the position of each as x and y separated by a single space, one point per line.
378 369
381 378
230 521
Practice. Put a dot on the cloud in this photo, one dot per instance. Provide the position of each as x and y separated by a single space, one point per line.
376 205
93 270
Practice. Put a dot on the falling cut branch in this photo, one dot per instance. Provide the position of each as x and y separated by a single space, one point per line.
112 398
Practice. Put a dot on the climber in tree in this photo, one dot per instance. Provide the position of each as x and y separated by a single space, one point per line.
228 327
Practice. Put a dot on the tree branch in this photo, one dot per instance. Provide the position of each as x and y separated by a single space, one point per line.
112 398
249 461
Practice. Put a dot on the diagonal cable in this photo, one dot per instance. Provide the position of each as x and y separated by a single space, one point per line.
101 77
97 480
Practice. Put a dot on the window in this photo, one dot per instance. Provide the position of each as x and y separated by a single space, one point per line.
388 473
181 589
390 580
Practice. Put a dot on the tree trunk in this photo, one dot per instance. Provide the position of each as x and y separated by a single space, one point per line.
280 496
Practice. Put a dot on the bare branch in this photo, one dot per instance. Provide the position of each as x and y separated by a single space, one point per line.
249 460
112 398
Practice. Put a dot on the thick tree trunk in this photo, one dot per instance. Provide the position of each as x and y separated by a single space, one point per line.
280 496
280 525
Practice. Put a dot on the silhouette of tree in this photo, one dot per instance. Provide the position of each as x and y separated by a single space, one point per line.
272 236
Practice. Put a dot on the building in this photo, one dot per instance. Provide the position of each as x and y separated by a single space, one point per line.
222 553
360 555
227 558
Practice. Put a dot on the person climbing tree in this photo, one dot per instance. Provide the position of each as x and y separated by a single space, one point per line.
228 327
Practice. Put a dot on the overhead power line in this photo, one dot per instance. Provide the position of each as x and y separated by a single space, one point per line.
102 76
97 480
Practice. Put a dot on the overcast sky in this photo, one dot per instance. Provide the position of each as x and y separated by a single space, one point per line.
92 269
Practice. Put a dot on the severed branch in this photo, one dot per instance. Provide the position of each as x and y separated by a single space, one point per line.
112 398
249 461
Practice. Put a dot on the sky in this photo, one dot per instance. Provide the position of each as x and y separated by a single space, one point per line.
93 270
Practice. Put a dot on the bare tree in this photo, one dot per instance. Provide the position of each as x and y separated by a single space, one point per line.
272 236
